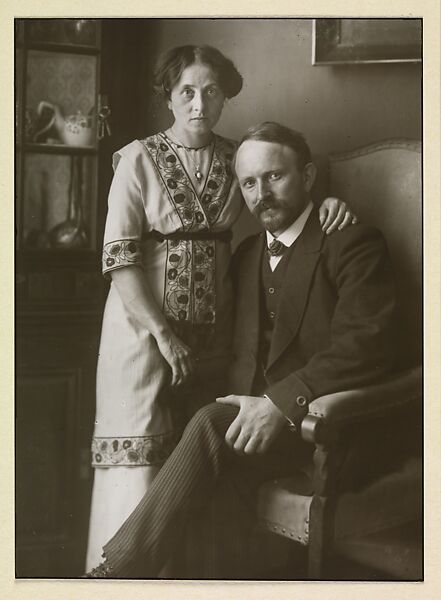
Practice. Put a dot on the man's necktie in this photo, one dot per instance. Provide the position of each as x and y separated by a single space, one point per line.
276 248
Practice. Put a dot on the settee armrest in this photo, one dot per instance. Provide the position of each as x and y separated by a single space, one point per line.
328 413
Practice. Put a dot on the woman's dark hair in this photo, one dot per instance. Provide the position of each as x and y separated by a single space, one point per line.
269 131
171 64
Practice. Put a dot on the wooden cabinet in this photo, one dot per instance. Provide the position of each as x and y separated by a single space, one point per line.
55 391
60 204
72 65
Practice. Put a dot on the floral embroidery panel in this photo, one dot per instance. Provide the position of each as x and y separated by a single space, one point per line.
195 215
176 182
190 281
133 451
218 184
121 253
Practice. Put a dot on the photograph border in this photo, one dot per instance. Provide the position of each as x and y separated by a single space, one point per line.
82 589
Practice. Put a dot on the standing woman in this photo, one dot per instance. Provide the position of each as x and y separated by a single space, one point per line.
167 320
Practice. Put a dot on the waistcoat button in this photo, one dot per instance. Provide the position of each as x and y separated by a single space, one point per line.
271 290
301 401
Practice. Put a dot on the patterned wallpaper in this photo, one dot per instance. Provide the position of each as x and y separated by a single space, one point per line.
64 79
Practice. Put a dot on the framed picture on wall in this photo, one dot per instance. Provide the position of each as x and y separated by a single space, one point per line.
357 41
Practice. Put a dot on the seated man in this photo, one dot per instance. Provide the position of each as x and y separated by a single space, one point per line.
313 316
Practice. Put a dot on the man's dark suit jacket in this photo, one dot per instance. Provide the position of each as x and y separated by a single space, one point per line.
333 328
332 331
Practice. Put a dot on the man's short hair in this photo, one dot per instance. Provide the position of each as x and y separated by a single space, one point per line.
269 131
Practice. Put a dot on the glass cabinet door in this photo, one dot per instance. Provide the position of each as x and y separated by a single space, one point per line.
58 209
57 90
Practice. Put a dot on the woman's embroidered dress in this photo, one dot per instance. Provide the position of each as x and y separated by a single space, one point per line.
163 220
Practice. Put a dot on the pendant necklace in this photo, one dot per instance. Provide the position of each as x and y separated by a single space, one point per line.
188 150
196 164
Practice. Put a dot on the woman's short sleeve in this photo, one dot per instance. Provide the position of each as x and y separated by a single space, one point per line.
126 217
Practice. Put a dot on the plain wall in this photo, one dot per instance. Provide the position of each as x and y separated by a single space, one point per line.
338 108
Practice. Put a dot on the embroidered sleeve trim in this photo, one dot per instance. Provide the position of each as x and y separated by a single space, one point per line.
134 451
121 253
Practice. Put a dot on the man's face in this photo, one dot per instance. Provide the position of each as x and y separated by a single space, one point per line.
274 188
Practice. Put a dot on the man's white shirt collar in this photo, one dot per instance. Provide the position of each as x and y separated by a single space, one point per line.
289 236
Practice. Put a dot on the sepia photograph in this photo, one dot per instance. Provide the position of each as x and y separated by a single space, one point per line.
219 299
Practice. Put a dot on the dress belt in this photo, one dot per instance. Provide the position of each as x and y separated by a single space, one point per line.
222 236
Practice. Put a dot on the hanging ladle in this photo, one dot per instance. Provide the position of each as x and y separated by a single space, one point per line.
71 233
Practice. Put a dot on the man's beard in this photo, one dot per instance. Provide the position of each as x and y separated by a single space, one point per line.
271 215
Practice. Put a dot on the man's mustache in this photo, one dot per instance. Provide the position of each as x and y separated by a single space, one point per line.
265 204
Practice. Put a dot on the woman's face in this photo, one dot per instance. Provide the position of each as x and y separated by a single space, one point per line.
196 101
